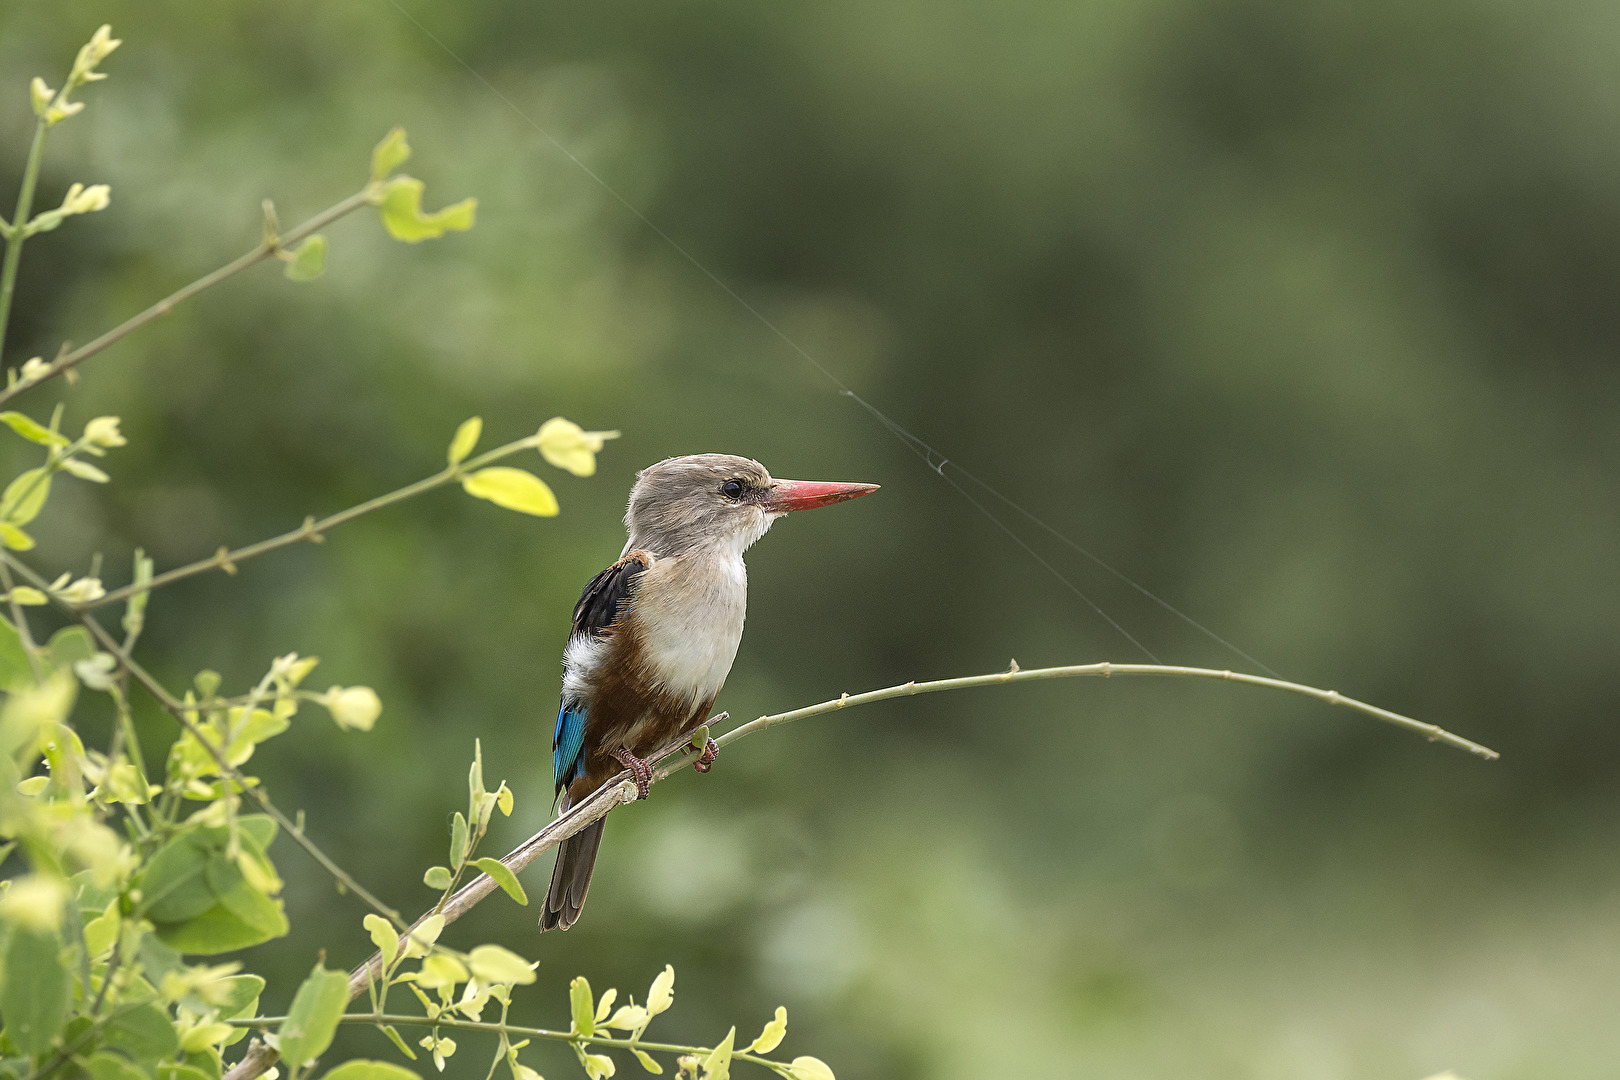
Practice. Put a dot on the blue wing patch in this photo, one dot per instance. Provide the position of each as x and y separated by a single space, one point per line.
568 745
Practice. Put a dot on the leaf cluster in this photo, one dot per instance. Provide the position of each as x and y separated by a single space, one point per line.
125 886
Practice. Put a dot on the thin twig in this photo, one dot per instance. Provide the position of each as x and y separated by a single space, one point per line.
311 531
266 249
622 789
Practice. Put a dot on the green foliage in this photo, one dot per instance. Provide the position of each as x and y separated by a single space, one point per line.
133 882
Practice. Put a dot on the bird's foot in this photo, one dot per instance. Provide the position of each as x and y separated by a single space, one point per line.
700 741
711 750
638 769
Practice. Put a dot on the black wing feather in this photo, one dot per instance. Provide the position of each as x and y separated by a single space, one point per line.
604 599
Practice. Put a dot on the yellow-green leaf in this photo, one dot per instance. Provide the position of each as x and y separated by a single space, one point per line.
504 878
809 1068
441 969
628 1018
647 1062
513 489
389 154
598 1065
583 1009
662 993
31 429
566 445
14 538
437 877
25 496
466 438
85 471
384 936
717 1066
28 597
361 1069
403 217
419 940
493 964
772 1036
308 260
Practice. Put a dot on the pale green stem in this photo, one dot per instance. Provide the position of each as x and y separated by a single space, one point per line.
19 232
312 530
266 249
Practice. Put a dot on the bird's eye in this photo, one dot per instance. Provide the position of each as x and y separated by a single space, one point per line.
732 489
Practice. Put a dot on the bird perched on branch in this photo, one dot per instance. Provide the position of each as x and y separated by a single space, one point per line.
655 633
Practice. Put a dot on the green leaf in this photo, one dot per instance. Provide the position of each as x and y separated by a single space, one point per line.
647 1062
185 1072
579 1000
313 1018
493 964
32 430
173 884
437 877
597 1066
67 647
402 215
388 1030
14 538
34 998
361 1069
219 929
15 672
145 1033
107 1066
458 840
513 489
260 827
28 597
504 878
237 996
25 496
717 1066
466 438
389 154
308 260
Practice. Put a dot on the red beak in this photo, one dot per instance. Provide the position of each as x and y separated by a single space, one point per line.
786 495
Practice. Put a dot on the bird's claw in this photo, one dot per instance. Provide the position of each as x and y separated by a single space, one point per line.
639 770
711 750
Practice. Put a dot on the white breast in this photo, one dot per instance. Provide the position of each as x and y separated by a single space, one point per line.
690 611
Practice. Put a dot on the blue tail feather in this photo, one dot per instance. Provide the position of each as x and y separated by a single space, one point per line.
568 746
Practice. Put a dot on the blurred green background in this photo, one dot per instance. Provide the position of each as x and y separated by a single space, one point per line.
1303 314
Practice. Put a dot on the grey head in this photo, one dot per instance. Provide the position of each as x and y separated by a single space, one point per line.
717 501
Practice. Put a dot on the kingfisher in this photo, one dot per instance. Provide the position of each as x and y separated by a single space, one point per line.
654 634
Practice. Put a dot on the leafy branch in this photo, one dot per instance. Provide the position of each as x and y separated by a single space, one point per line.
398 199
560 441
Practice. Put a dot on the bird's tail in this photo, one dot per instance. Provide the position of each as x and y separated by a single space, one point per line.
571 879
